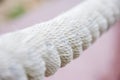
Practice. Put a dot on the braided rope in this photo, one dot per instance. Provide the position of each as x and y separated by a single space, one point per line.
40 50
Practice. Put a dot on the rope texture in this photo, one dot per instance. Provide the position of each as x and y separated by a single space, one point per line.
40 50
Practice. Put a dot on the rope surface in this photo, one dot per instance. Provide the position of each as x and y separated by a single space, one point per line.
40 50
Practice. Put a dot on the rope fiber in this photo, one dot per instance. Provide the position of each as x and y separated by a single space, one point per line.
40 50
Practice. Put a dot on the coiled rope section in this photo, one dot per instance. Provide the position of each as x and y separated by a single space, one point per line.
40 50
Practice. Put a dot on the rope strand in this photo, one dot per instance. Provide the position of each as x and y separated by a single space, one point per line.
40 50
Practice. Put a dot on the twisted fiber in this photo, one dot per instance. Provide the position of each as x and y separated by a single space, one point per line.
40 50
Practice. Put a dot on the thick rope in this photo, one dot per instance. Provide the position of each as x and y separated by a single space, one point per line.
40 50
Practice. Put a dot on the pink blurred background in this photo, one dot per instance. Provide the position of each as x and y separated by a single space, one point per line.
100 62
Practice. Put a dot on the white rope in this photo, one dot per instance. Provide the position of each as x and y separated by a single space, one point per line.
40 50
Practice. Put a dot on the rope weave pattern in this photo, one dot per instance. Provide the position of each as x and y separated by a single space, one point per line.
40 50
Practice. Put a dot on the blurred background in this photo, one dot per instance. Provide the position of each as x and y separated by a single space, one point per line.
99 62
17 14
